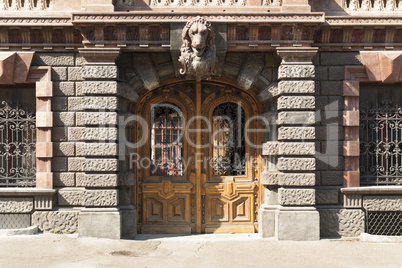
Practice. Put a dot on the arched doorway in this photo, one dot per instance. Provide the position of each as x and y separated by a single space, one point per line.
198 163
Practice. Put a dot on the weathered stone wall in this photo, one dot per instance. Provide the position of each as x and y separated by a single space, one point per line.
87 102
329 144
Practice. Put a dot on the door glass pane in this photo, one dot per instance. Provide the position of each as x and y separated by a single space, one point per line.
229 146
166 140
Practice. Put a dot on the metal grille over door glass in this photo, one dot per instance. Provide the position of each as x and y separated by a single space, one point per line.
381 144
229 146
166 140
18 145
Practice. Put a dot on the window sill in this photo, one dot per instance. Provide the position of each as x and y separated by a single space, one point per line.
26 192
372 190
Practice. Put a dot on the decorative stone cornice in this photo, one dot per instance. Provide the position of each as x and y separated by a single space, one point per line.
154 17
364 21
35 21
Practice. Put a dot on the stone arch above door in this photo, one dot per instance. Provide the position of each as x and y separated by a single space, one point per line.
255 71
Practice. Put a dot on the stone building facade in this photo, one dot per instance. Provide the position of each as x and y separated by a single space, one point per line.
318 84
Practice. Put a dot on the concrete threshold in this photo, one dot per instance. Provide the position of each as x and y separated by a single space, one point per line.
365 237
23 231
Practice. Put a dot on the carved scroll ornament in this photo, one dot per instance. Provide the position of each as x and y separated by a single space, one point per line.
198 51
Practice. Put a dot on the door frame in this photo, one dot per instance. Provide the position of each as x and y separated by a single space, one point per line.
190 108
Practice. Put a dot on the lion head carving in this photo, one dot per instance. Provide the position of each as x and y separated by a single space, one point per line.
198 51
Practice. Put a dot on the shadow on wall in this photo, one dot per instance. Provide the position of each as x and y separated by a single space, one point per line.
327 6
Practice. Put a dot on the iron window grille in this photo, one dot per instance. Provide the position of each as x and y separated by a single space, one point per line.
17 145
381 144
384 223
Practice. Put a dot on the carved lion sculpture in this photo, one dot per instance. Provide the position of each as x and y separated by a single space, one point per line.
198 51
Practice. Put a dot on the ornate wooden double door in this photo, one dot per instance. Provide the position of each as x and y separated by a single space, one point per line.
197 161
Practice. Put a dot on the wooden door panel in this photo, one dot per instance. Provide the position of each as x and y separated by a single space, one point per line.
218 209
229 207
166 207
154 213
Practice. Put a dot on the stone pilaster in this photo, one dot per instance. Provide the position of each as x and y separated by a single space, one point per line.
99 175
289 213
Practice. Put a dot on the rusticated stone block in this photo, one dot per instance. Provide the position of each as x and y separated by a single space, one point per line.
296 102
63 89
91 134
59 164
97 180
288 179
296 87
288 148
59 104
92 103
98 88
53 59
327 197
92 164
270 178
340 58
296 133
75 163
100 72
296 197
296 118
64 221
70 197
296 71
60 134
63 179
96 149
79 60
102 164
63 119
297 148
297 179
270 148
296 163
16 204
96 118
59 73
101 198
344 222
75 73
63 149
382 203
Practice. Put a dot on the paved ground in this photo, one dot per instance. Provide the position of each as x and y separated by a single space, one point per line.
237 250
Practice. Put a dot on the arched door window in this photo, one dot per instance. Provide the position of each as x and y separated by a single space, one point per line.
166 140
229 146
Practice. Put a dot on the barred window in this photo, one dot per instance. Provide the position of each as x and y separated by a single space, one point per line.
381 136
17 137
166 140
229 145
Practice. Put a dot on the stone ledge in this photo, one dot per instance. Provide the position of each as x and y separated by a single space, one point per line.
373 190
25 192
